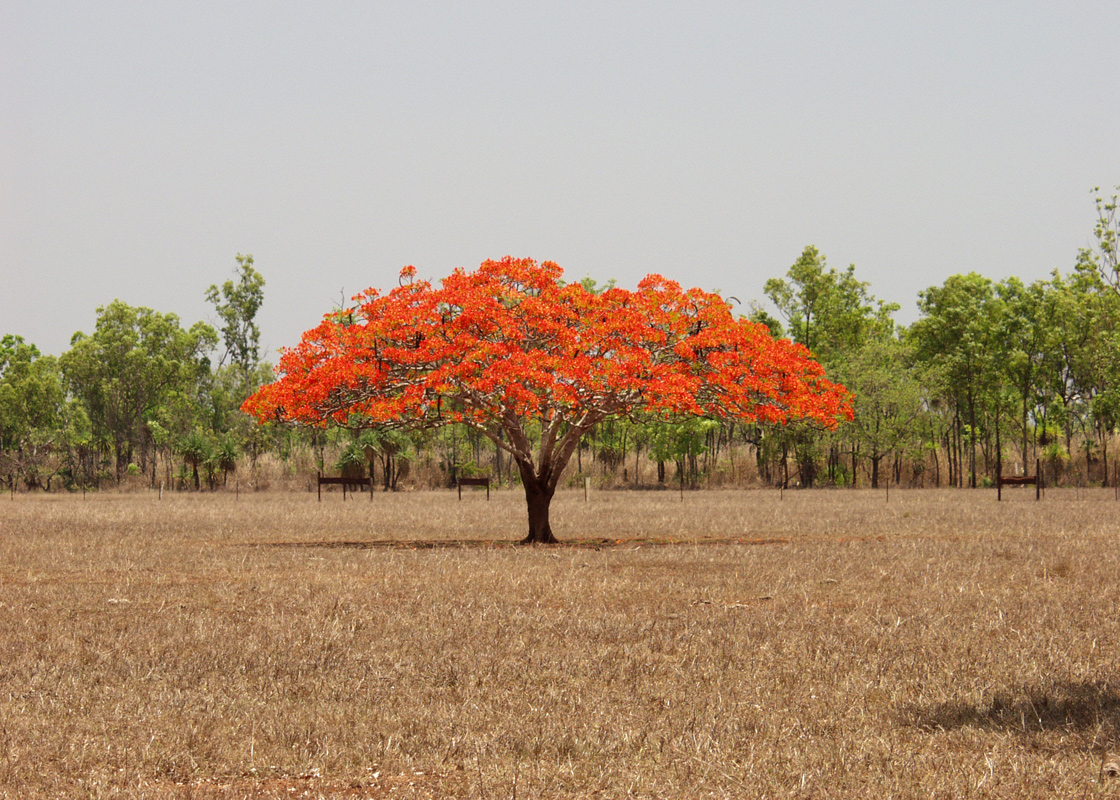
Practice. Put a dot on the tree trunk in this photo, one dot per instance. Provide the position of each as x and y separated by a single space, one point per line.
119 448
1104 456
538 497
972 442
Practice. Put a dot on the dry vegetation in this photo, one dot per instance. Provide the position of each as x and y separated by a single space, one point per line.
828 644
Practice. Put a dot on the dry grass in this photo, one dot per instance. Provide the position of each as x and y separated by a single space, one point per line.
825 645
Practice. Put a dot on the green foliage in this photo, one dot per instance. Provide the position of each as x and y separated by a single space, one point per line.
352 460
888 399
591 285
134 360
680 441
756 313
31 392
955 341
39 425
1107 232
829 312
237 304
196 449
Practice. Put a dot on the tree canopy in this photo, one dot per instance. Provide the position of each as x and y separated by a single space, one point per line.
134 360
237 305
515 353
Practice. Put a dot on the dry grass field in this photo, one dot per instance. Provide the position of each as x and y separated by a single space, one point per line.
733 644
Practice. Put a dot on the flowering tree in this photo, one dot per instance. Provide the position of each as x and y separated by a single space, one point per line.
517 354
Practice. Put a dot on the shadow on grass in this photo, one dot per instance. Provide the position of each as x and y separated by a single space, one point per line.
453 544
1061 706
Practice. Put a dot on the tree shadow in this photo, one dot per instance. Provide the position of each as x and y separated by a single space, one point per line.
457 544
1068 706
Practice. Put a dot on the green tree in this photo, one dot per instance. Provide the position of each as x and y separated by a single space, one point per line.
681 441
237 304
1081 348
134 360
32 411
953 339
833 314
1021 346
888 400
31 392
1107 232
829 312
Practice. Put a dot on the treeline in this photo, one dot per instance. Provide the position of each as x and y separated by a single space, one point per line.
137 395
993 375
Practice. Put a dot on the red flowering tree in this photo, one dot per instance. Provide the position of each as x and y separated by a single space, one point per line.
515 353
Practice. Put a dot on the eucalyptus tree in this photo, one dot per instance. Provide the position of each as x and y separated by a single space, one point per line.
954 338
134 360
33 411
833 314
237 303
887 400
829 312
1106 259
31 391
1020 341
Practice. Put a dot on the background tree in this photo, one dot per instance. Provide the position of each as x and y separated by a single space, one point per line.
833 314
680 442
1107 232
1022 339
887 400
33 412
954 339
133 360
829 312
237 304
512 352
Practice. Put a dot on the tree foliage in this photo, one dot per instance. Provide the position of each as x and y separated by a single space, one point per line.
829 312
237 304
510 350
133 361
510 366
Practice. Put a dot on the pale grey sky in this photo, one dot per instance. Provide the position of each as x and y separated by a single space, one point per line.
144 144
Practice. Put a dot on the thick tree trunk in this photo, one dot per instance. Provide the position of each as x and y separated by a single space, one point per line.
538 497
